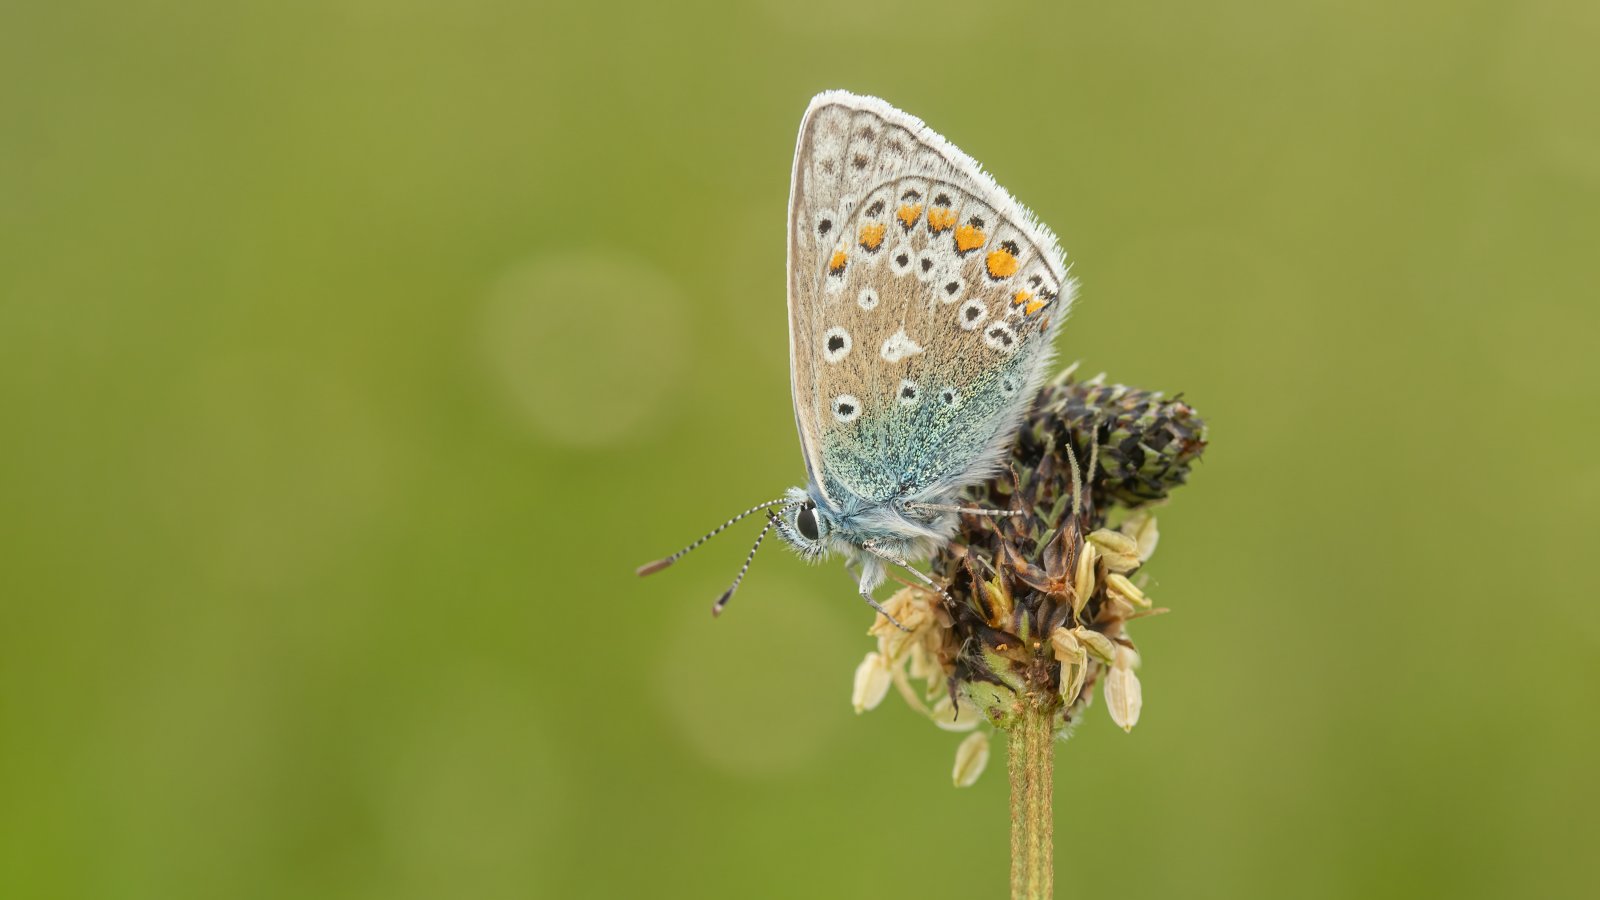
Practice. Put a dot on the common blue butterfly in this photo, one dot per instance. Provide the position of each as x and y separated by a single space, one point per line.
923 304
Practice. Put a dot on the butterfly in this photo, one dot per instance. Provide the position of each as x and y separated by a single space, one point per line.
923 305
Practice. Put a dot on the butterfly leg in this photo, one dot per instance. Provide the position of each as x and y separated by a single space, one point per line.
854 573
918 574
871 575
882 612
967 510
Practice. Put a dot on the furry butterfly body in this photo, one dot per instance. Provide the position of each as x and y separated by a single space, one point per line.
923 302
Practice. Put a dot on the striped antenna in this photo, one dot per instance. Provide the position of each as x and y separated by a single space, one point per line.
716 608
658 565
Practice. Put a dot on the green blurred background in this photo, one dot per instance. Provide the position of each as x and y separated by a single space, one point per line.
352 354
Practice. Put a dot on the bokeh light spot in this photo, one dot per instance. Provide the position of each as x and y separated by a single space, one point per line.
585 345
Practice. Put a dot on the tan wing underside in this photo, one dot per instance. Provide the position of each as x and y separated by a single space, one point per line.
933 276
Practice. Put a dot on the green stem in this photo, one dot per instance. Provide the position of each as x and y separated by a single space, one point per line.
1031 765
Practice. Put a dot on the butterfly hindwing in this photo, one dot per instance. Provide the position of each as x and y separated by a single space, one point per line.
923 303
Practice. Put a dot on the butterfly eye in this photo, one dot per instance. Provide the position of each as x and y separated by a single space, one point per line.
806 521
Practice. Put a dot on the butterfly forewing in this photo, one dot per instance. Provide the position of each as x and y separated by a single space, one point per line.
923 300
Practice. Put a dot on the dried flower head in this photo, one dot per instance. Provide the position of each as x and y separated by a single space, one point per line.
1040 600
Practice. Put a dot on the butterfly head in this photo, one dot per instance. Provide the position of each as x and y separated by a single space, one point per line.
806 525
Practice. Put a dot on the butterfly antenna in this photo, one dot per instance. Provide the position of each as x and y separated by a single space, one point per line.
716 608
658 565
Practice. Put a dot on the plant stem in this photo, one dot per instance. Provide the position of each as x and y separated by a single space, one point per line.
1030 751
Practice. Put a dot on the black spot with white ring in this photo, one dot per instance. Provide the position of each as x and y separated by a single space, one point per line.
900 261
846 407
971 314
999 336
836 344
909 393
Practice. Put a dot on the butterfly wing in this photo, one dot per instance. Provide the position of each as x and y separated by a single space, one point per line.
923 303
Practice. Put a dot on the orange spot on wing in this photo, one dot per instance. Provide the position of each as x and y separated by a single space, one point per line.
836 265
871 235
940 219
1021 297
1001 263
908 214
1034 307
968 238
